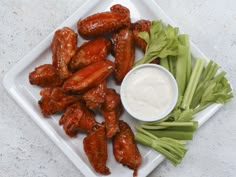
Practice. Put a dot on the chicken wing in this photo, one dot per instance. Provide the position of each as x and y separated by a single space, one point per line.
77 117
102 23
88 77
95 96
64 47
124 52
140 26
90 52
125 149
111 111
95 147
45 76
55 100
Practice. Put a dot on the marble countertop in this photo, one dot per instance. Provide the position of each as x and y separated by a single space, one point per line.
24 148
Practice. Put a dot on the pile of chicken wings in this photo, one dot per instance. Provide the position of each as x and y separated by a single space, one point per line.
75 84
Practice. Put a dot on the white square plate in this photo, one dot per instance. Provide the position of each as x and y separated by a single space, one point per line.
27 96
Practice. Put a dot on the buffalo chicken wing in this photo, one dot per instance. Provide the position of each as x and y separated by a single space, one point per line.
125 149
45 76
88 77
95 147
77 117
90 52
95 96
55 100
64 47
103 22
111 111
124 53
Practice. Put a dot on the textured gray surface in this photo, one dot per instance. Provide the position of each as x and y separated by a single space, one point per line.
26 151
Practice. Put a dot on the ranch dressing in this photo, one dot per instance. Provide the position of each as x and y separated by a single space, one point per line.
148 92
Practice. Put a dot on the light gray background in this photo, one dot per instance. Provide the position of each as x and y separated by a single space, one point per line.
26 151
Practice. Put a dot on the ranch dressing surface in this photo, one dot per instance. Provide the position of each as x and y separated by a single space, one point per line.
149 92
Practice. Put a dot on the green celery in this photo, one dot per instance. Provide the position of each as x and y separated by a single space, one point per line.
183 63
161 42
172 62
172 149
195 77
179 135
198 88
185 115
164 62
190 125
211 90
208 74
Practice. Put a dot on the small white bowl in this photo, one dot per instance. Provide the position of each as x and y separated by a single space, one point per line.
149 92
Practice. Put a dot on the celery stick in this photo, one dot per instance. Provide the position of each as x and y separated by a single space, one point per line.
195 76
183 63
207 69
179 135
185 115
152 127
184 40
197 97
164 63
181 66
220 76
200 108
172 61
208 74
172 149
190 125
185 128
212 71
218 91
168 124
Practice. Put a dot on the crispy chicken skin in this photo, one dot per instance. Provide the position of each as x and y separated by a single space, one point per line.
95 96
125 149
54 100
117 8
124 53
88 77
90 52
45 76
64 47
77 117
140 26
95 147
111 111
112 100
104 22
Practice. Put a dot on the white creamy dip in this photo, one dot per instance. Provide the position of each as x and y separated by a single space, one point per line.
149 92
